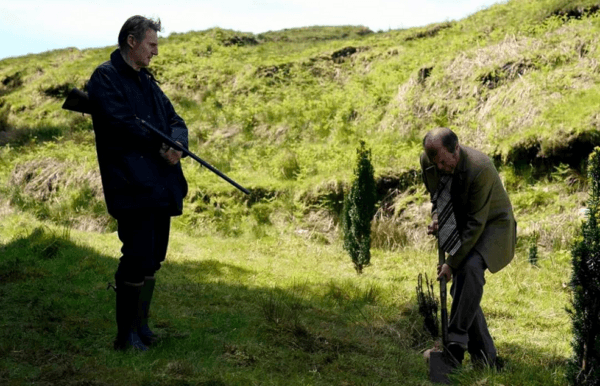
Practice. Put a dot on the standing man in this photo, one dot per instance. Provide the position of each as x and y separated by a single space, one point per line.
142 178
473 217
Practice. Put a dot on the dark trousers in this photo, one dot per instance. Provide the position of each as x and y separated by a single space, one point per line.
467 323
145 237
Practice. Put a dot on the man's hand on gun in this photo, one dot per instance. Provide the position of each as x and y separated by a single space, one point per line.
170 155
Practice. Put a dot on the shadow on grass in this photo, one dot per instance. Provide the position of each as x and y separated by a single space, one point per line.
58 317
58 325
521 365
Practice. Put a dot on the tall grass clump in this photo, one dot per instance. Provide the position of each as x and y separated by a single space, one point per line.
359 209
584 368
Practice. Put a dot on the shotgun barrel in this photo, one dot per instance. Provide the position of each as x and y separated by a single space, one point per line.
79 101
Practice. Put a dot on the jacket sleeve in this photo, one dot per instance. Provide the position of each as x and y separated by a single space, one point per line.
179 130
480 193
110 105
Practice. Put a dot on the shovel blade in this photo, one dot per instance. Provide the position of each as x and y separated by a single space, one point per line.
439 368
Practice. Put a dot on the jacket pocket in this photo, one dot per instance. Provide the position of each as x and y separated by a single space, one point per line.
141 171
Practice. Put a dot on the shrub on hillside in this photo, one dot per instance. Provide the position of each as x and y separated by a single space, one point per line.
358 211
287 165
4 113
584 368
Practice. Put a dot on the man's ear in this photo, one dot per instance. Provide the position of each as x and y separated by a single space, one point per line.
131 41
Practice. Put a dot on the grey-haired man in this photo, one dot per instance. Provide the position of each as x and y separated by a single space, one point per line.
142 178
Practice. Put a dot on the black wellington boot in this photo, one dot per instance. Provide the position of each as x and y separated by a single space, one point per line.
146 335
128 295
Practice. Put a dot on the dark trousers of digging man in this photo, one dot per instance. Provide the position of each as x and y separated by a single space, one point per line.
467 325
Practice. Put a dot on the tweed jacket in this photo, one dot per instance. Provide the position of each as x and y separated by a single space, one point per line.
134 176
482 208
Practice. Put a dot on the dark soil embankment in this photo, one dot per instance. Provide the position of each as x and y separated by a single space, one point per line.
573 151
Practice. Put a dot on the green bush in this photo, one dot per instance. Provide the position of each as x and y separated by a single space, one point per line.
358 211
584 368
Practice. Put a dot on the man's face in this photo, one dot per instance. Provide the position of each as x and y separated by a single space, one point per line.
142 52
445 161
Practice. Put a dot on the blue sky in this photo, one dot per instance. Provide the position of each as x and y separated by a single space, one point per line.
33 26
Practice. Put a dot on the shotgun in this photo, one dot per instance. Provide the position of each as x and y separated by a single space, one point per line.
79 101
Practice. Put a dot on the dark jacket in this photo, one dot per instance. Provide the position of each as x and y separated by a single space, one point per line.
482 208
134 175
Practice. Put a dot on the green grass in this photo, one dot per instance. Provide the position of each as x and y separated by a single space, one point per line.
277 310
257 289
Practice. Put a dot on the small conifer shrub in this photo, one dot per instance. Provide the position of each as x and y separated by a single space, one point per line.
584 367
359 209
533 248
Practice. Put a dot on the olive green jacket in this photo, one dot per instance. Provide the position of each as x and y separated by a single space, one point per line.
482 208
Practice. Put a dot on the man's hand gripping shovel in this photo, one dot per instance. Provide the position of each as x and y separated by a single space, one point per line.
440 363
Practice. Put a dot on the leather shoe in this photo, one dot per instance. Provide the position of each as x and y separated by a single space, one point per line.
456 353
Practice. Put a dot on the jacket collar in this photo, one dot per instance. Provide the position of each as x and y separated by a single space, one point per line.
121 65
462 162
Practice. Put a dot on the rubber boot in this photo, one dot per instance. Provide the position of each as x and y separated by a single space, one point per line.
146 335
128 295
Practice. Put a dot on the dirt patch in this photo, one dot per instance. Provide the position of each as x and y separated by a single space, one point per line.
275 72
505 73
314 34
430 32
261 195
59 91
573 150
577 12
240 41
329 196
13 81
424 73
390 186
341 55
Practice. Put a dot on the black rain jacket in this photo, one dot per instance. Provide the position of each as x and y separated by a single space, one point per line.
134 175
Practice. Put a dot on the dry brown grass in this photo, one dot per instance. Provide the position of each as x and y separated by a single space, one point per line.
458 92
44 178
5 209
65 187
454 91
404 223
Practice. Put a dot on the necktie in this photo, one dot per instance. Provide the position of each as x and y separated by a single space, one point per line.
447 231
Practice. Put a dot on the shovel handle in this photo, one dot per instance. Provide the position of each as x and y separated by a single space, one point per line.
443 297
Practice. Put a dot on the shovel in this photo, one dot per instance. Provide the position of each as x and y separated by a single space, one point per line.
440 364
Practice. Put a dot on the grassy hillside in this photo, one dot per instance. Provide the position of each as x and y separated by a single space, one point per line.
282 113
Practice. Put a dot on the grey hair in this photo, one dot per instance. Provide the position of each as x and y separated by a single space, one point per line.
137 27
